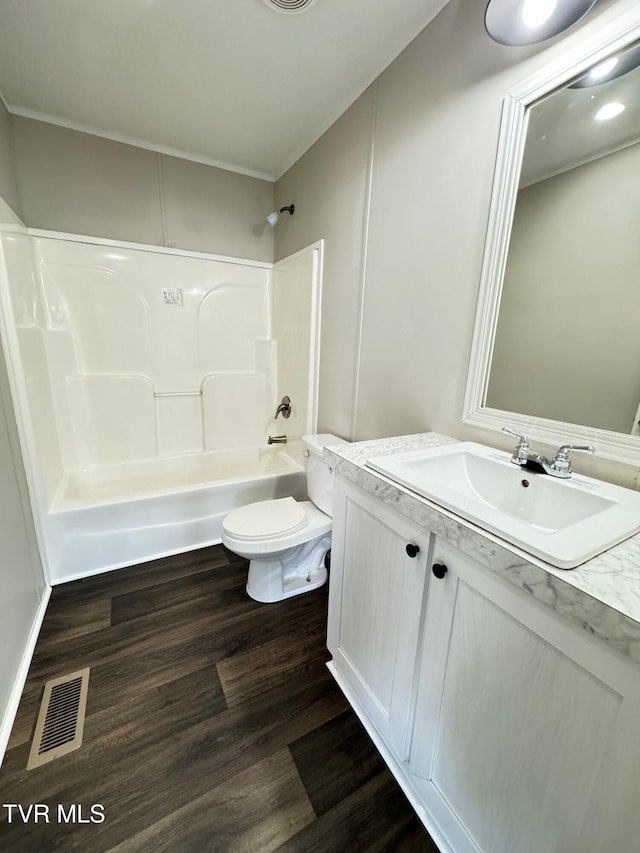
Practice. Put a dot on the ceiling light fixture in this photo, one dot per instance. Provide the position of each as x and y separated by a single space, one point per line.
520 22
289 6
535 13
603 69
610 69
272 218
610 110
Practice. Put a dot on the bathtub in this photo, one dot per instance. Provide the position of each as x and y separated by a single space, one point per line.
104 517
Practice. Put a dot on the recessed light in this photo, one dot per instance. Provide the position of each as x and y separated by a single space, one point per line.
535 13
610 110
610 69
605 68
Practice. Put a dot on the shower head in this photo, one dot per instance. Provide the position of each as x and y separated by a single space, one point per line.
272 218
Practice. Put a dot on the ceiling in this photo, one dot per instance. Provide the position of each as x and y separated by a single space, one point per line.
228 82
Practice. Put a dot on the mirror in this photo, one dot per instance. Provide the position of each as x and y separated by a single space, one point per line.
556 348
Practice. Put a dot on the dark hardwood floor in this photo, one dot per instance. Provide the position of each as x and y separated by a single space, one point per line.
212 724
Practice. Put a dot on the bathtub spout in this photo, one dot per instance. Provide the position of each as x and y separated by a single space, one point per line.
277 439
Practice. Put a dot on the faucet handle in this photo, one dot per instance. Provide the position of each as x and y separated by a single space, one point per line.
523 440
284 407
561 462
520 451
568 448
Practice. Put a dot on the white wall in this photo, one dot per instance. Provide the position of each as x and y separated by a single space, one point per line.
433 139
570 303
82 184
329 187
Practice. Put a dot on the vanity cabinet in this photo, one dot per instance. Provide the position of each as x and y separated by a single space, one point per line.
511 730
376 597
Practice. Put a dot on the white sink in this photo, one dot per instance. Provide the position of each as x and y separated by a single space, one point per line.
565 522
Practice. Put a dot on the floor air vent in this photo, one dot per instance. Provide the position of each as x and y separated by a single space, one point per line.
60 723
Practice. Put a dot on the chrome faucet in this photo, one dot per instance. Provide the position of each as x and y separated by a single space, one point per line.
284 407
559 466
277 439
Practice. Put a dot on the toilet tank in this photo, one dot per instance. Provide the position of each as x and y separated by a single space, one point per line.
320 478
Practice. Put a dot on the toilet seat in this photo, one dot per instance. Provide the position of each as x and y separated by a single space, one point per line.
243 540
266 520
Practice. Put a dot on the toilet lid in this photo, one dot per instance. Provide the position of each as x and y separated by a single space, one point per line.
266 519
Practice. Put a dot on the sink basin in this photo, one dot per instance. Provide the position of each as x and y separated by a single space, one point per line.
564 522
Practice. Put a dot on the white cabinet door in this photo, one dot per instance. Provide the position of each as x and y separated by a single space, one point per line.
526 736
375 607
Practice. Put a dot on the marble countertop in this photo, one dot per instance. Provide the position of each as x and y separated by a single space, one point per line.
602 596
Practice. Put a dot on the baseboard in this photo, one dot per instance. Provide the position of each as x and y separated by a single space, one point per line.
391 763
14 700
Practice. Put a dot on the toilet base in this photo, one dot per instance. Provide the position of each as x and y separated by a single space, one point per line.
296 571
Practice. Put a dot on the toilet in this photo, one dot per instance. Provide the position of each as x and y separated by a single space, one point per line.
287 540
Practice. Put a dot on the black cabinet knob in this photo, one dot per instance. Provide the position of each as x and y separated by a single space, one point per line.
413 550
439 570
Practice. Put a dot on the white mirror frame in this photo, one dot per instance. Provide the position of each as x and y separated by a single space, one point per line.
513 130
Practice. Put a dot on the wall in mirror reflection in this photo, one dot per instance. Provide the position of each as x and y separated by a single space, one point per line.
567 343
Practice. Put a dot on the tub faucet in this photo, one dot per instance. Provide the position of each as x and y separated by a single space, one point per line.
559 466
277 439
284 407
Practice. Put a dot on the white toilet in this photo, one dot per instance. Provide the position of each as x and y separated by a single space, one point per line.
286 540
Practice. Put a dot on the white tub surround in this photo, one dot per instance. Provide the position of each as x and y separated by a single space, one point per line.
601 596
502 693
143 371
152 354
23 590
